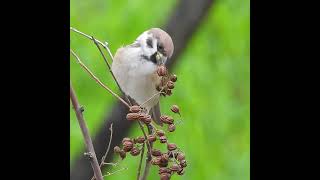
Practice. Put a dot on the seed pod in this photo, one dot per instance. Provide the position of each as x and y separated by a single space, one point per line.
168 92
126 139
155 152
139 140
162 70
183 163
164 157
132 116
180 156
181 172
163 164
171 146
135 109
170 85
164 170
175 167
160 132
163 118
135 151
155 161
127 146
147 119
158 88
163 139
152 138
122 154
171 127
166 119
175 109
169 120
164 176
142 116
173 78
116 149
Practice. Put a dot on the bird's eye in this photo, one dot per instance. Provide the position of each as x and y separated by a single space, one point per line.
160 47
149 43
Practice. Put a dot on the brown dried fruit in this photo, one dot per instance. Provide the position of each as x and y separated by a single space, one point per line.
126 139
116 149
155 161
162 71
166 119
173 78
171 146
132 116
156 152
158 88
135 109
163 139
147 119
181 172
168 92
164 170
160 132
127 146
171 127
152 138
164 157
122 154
183 163
175 109
139 139
135 151
175 168
165 176
170 85
180 156
163 164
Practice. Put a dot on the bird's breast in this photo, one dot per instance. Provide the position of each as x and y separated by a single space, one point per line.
136 77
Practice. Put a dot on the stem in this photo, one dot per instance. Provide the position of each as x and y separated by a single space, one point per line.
97 80
109 67
148 161
85 132
105 155
140 163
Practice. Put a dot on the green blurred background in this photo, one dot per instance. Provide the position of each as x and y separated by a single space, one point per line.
213 88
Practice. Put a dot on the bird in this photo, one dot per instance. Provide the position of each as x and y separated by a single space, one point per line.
135 68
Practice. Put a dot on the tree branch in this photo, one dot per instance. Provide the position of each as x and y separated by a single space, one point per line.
85 132
97 79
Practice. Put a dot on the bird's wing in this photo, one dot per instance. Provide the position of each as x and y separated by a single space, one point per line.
155 114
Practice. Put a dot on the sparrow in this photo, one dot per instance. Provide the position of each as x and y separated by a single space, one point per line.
135 68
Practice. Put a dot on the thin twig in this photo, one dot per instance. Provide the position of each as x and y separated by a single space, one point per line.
104 45
87 36
97 80
109 174
151 97
148 160
140 163
145 136
109 67
85 132
105 155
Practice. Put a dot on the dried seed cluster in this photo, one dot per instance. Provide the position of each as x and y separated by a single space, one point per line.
167 81
170 161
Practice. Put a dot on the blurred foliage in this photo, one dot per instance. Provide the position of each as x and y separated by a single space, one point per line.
212 89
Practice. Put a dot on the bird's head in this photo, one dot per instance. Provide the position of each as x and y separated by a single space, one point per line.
157 45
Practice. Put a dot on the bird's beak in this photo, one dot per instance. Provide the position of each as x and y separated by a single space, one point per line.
159 58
